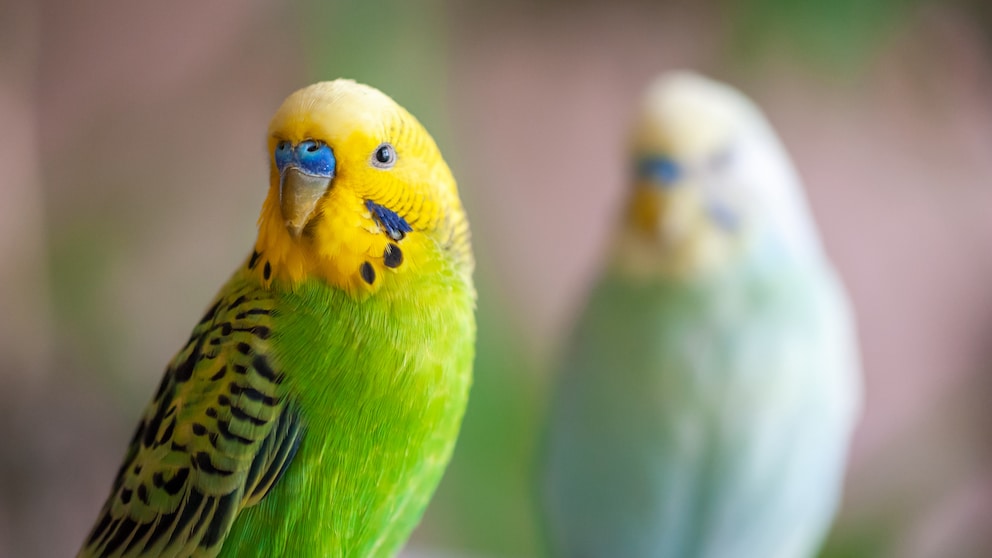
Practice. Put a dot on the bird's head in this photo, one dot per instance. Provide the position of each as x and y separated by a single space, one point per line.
710 180
359 194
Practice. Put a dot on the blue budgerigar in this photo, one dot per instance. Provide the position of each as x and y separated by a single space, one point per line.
708 393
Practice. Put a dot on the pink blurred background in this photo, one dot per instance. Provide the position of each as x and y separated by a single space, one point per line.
134 168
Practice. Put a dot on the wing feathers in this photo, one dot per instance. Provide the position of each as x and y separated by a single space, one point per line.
215 439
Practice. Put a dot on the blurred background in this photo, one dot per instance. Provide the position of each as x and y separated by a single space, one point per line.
134 166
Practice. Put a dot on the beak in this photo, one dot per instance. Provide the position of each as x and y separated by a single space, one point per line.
298 195
668 213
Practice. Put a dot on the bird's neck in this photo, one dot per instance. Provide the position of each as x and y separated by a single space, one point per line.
695 252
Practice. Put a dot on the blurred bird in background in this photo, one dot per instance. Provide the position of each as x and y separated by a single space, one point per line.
707 397
316 405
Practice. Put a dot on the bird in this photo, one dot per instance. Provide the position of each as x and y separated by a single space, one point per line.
708 392
316 404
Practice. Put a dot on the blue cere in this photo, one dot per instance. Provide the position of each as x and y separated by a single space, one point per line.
396 226
310 156
315 158
659 169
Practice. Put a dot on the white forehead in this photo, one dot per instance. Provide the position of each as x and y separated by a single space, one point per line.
687 115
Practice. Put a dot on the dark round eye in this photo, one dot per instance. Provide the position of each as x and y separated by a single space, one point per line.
384 156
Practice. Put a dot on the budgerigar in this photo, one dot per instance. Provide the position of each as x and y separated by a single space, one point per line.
707 398
315 406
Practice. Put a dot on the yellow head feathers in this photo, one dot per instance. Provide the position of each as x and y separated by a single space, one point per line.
359 194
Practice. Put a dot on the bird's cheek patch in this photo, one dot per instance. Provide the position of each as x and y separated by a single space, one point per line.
394 225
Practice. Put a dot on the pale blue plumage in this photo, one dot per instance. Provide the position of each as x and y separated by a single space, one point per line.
706 398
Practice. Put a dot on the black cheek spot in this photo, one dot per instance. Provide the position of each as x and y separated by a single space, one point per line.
267 271
393 256
254 260
368 273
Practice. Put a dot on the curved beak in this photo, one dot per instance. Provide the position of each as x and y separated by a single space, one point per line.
298 195
665 213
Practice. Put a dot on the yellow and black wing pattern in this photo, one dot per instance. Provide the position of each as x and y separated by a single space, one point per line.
216 437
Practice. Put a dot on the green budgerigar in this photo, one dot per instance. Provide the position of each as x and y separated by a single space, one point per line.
316 404
706 401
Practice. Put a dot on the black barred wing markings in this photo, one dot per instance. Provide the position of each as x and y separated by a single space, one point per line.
216 437
278 451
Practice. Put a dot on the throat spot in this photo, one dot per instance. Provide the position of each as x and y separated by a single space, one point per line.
392 257
367 272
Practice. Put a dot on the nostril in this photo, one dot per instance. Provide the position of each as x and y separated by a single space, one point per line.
309 146
315 157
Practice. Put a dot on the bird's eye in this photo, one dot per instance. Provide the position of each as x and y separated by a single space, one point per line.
384 156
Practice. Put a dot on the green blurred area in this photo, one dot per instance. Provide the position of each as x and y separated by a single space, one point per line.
839 36
398 47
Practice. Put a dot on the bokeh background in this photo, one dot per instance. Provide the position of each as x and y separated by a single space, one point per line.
133 167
